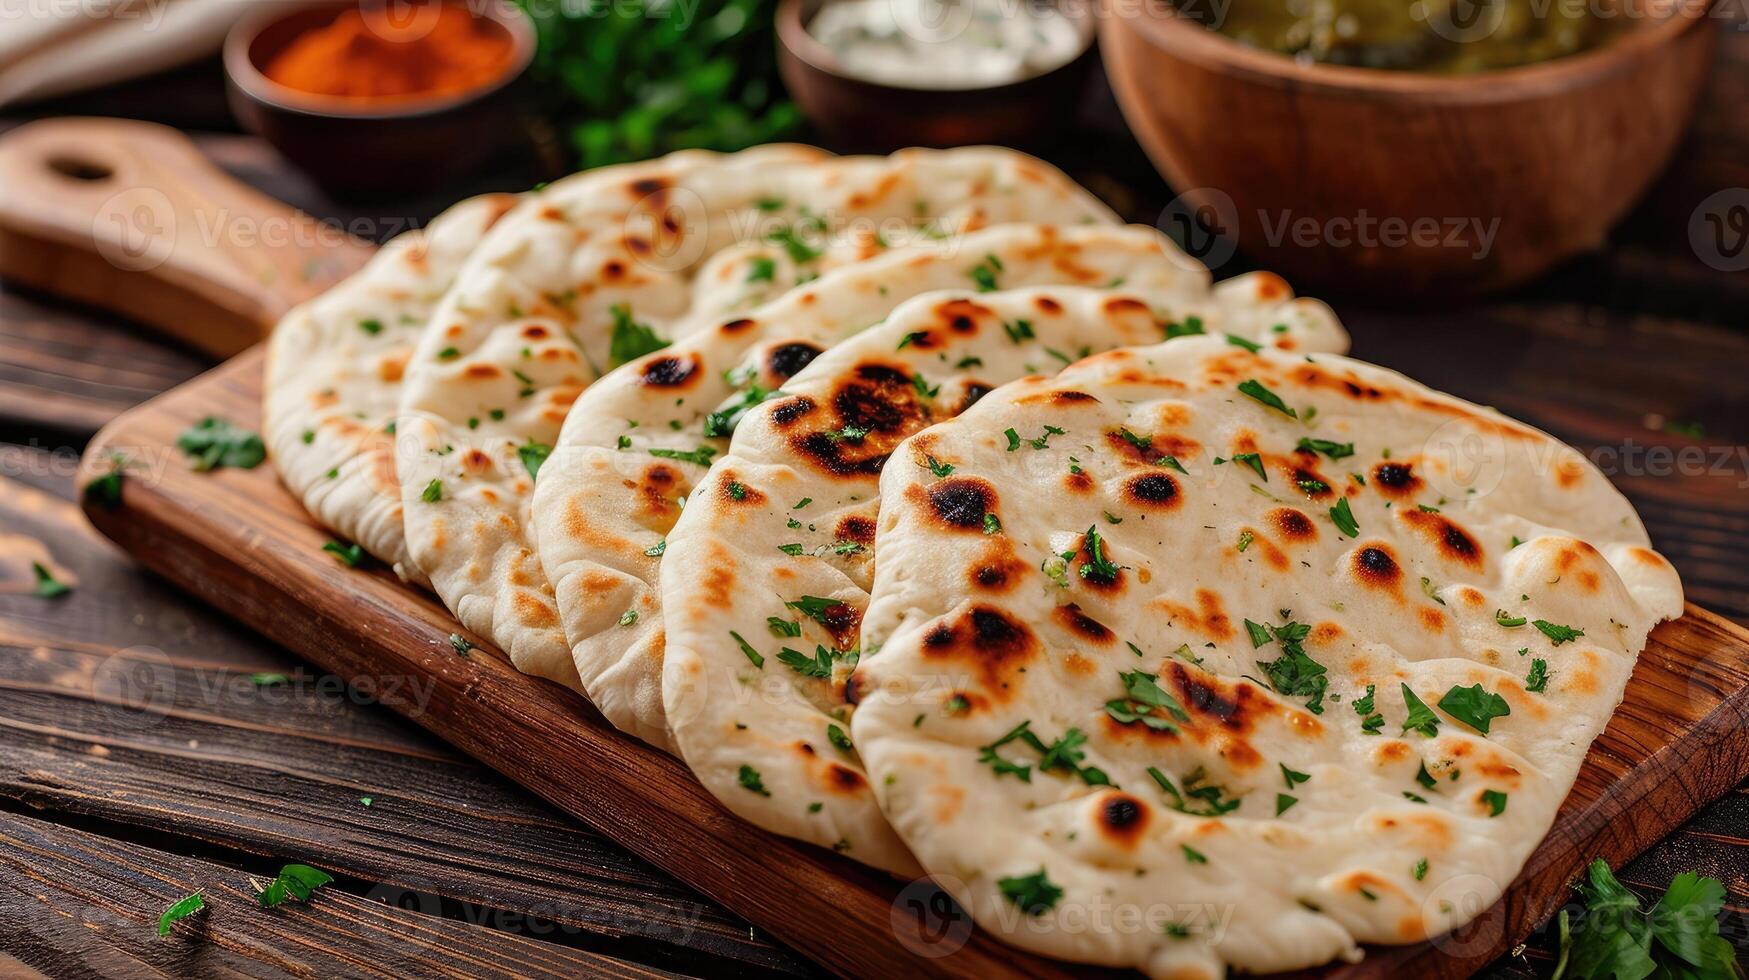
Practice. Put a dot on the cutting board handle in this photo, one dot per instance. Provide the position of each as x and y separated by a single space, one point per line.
131 217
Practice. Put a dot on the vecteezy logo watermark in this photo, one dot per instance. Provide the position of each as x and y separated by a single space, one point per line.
928 922
1718 230
1365 230
1205 223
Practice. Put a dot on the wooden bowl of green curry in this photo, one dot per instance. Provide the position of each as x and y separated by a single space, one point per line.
1456 169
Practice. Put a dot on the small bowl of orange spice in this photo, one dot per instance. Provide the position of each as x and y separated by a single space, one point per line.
370 96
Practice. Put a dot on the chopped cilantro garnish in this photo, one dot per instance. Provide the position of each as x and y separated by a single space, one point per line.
1495 800
349 555
1344 518
1510 622
1539 676
433 492
1421 717
1334 450
985 272
631 339
754 656
1255 461
534 456
1475 706
1284 803
213 443
1033 894
1557 634
700 456
1268 398
1096 568
751 781
1238 341
179 911
296 882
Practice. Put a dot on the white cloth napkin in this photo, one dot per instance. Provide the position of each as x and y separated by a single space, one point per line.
53 47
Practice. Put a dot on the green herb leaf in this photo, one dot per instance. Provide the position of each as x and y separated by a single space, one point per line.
1421 717
751 781
1539 676
1284 803
534 455
1334 450
213 443
296 882
350 555
1557 634
1344 518
1495 800
47 586
1238 341
698 457
433 492
1266 397
179 911
1475 706
757 659
1096 568
631 339
1033 894
1510 622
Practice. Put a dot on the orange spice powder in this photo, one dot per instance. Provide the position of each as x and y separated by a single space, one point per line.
365 55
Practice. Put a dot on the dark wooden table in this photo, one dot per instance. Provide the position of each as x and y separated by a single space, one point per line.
139 761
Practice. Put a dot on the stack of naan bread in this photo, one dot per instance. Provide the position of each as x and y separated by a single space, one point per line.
934 517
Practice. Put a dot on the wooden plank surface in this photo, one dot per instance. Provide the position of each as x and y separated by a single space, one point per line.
237 541
66 890
124 705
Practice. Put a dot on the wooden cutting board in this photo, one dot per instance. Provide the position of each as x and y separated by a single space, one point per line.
237 540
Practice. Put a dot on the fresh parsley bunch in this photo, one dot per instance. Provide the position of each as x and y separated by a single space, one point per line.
1678 939
633 79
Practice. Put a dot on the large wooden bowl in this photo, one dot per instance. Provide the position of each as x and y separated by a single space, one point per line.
1298 161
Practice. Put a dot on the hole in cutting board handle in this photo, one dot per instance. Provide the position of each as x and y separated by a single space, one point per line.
79 168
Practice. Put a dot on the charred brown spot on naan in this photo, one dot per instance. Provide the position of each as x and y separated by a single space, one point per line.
476 462
999 569
659 489
1396 479
731 492
1309 481
1083 626
1122 819
1078 482
1292 525
1453 542
1125 306
1107 576
787 412
856 528
959 502
1152 491
962 316
649 190
1056 396
1208 619
874 410
1237 708
668 371
481 372
1376 566
785 361
1048 306
737 326
987 640
1157 446
1432 620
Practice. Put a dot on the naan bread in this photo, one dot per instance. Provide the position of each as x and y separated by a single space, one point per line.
334 370
602 268
767 570
1173 700
603 503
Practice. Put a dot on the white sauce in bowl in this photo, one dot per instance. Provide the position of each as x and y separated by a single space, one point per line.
947 44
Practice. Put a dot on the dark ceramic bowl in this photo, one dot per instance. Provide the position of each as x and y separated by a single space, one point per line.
404 147
871 117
